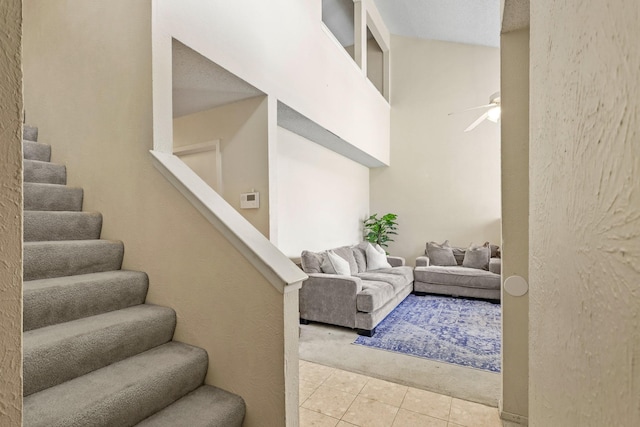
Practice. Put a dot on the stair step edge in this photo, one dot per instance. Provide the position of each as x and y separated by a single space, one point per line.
123 393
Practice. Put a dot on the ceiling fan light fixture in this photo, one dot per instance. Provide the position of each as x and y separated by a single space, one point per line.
494 114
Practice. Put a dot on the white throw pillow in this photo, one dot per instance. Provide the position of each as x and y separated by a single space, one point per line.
376 259
335 264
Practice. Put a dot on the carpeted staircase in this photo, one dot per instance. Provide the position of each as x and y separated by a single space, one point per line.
94 353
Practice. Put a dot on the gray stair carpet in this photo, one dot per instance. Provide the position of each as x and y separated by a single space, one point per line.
30 133
44 172
48 302
60 225
51 197
36 151
121 394
43 260
94 354
227 409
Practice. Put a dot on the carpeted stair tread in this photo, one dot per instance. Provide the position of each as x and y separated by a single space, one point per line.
44 172
62 299
61 225
51 197
59 353
43 260
30 133
121 394
32 150
207 406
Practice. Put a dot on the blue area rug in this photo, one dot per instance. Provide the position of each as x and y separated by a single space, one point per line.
454 330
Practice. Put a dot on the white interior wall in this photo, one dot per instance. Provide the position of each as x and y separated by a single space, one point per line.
280 48
242 130
584 346
443 183
11 213
322 196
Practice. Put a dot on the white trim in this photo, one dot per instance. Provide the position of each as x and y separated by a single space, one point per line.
283 274
204 147
333 38
197 148
514 418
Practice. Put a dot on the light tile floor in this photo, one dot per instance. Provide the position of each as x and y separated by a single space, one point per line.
335 398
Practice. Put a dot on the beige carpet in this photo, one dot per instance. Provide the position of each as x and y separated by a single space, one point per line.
332 346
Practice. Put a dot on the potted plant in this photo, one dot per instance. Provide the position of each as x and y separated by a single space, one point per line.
378 230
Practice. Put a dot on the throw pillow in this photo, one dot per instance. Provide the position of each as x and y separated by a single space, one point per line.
335 264
440 254
360 256
477 257
375 259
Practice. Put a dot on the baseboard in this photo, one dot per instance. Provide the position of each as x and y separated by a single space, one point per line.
514 418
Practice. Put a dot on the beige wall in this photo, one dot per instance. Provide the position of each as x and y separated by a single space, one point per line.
322 196
443 183
584 214
514 89
88 86
242 129
11 213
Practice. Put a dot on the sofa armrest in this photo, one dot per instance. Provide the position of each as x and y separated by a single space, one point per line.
423 261
495 265
395 261
330 298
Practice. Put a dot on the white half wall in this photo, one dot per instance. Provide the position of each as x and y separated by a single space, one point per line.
280 48
322 196
443 183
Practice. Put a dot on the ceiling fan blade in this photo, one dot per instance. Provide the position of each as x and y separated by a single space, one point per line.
474 108
477 122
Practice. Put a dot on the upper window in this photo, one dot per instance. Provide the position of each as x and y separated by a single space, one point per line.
338 16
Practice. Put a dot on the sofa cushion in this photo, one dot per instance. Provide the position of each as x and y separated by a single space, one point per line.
360 256
458 254
440 254
374 295
397 277
376 258
335 264
477 257
457 276
346 253
312 261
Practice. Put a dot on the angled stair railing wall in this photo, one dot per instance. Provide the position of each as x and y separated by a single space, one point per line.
94 353
278 269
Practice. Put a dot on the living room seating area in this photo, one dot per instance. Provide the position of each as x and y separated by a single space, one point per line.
353 286
467 272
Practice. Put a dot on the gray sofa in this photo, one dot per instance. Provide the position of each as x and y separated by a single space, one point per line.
456 279
360 300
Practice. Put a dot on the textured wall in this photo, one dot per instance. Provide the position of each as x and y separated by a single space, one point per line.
443 183
88 86
514 90
585 213
11 213
322 196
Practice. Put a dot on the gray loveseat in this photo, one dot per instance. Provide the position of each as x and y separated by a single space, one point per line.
360 300
456 279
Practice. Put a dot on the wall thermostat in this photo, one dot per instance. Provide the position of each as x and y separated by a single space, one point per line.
250 200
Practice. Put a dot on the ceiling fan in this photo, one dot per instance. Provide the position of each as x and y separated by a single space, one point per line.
492 113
